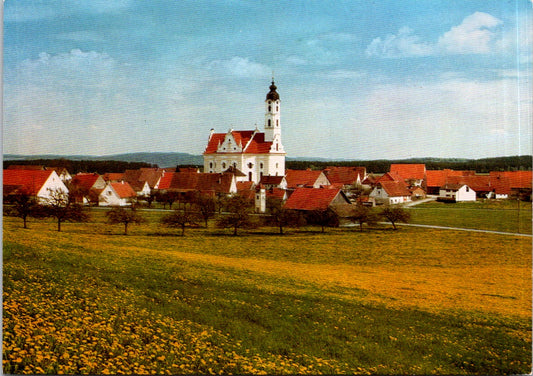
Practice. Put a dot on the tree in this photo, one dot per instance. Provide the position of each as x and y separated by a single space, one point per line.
121 215
167 197
281 217
322 218
396 214
206 205
239 215
63 209
363 214
181 219
24 206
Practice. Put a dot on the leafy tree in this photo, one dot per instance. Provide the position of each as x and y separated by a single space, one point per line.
239 216
24 206
206 205
120 215
322 218
63 209
281 217
396 214
362 215
181 219
150 198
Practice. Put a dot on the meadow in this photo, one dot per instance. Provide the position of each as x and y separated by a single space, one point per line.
89 300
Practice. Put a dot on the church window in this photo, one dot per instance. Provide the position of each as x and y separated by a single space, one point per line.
261 165
250 176
210 164
261 174
277 123
277 146
250 165
235 164
223 164
269 122
269 108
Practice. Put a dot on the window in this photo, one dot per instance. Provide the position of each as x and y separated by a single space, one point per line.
223 164
261 165
250 176
277 108
269 123
269 108
277 123
250 165
210 164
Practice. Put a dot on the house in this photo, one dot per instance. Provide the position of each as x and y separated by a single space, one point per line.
246 189
308 199
417 193
36 183
435 179
305 179
166 179
216 184
456 193
117 194
268 182
347 177
61 171
390 193
86 187
520 182
414 174
390 176
252 152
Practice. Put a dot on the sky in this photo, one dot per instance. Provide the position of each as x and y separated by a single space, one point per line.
357 80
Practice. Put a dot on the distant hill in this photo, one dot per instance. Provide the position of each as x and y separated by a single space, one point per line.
160 159
483 165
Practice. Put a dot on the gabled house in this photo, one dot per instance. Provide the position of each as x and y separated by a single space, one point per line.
308 199
520 182
414 174
86 187
456 193
36 183
216 184
117 194
390 176
268 182
306 179
435 179
390 193
346 177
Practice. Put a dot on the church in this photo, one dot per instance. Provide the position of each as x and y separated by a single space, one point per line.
254 153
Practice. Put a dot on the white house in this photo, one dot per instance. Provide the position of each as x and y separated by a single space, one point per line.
116 194
457 192
37 183
390 193
253 152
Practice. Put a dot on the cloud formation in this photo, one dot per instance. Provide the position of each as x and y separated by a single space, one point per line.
240 67
475 35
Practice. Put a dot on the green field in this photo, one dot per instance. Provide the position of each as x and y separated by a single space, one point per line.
89 300
506 216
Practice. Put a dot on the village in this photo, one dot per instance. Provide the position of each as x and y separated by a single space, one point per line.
251 164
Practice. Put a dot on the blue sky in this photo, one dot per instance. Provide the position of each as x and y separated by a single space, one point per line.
357 79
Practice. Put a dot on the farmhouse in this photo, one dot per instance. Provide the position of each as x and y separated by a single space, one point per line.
307 199
306 179
117 194
390 193
253 152
85 187
457 193
414 174
347 177
36 183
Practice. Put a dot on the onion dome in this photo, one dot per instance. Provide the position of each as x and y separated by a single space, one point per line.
272 94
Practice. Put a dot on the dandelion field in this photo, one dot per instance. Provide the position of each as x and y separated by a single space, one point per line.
89 300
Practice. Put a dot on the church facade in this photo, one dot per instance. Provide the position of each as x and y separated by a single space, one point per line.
254 153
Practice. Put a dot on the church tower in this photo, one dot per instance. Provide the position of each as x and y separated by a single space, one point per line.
272 115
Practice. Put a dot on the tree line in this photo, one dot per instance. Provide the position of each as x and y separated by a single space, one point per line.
485 165
76 166
235 213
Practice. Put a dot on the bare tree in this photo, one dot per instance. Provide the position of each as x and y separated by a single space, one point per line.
322 218
121 215
239 216
280 217
59 206
181 219
396 214
206 205
362 215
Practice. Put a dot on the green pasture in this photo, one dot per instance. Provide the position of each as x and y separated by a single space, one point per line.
506 216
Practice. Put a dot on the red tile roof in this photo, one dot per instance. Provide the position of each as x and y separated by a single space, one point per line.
245 185
395 188
31 181
123 190
85 181
437 178
164 183
311 198
301 178
271 180
390 176
113 176
253 142
344 175
193 181
409 170
517 179
276 193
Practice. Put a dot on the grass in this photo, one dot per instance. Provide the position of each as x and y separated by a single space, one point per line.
91 301
482 215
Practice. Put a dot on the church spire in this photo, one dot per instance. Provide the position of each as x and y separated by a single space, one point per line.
272 114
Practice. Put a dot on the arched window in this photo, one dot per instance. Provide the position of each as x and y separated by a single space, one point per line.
277 123
261 165
277 108
269 108
210 164
250 176
223 164
269 122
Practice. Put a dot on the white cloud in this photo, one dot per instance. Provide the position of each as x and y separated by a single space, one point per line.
472 36
403 44
475 35
240 67
82 36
